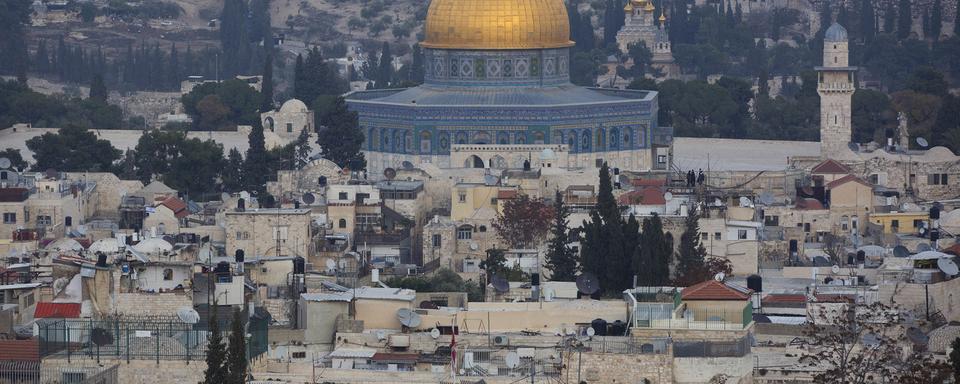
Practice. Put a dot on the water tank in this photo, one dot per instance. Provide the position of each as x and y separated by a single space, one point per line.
241 204
298 265
238 256
934 213
101 259
861 256
222 268
599 327
617 328
927 276
755 283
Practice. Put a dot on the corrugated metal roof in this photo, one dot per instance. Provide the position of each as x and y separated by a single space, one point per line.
20 350
353 353
333 296
19 286
57 310
386 294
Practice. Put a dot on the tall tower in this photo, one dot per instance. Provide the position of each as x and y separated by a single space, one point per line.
836 84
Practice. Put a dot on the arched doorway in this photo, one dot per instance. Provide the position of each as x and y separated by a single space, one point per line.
474 161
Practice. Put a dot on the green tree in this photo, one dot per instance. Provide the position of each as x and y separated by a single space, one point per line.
216 352
385 70
72 149
867 22
523 222
231 175
98 90
955 357
340 137
266 90
691 255
16 159
904 19
236 361
641 58
196 167
889 18
561 260
928 80
302 149
316 77
495 264
605 250
256 167
584 69
14 14
936 20
654 254
241 100
956 20
212 115
872 115
233 37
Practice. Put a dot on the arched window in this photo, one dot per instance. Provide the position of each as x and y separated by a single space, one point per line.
585 142
374 139
342 223
167 274
465 232
483 228
538 137
614 137
425 141
269 123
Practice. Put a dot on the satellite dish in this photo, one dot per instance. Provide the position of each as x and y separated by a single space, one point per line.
188 315
766 198
224 196
922 142
924 247
717 203
720 276
474 246
101 337
406 165
668 196
245 195
853 146
917 336
435 333
500 284
4 163
900 251
381 335
835 269
308 198
745 202
408 318
512 360
10 177
587 283
331 265
591 332
948 266
390 173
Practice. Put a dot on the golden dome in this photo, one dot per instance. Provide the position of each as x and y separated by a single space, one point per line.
497 24
650 7
628 8
663 17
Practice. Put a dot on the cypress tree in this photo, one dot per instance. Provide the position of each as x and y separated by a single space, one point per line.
739 13
416 68
236 363
654 253
232 172
298 80
216 352
188 64
956 20
904 20
173 69
232 34
691 255
267 89
826 17
925 24
560 260
867 20
385 70
98 90
41 60
936 20
256 167
842 17
603 249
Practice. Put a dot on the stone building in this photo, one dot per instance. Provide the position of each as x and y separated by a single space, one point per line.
287 122
486 86
269 232
640 26
836 84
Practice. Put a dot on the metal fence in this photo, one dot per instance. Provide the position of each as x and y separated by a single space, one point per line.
137 339
33 372
722 317
625 345
705 348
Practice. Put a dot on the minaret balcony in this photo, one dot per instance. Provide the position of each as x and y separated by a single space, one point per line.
836 87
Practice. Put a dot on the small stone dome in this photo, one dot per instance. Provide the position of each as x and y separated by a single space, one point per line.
836 33
293 105
547 154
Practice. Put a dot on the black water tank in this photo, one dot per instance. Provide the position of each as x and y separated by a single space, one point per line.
935 212
755 283
599 327
101 259
222 268
526 165
535 279
322 181
861 256
241 204
934 234
238 255
617 328
299 265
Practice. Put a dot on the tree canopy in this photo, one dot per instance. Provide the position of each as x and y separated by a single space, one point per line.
72 149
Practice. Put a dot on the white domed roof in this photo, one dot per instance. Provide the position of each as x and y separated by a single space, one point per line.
294 105
107 245
547 154
153 245
65 244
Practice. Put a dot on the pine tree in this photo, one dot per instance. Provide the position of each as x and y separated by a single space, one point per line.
267 88
303 150
216 352
256 167
385 71
173 69
339 136
867 20
691 255
561 261
889 18
936 20
232 174
904 19
236 363
98 90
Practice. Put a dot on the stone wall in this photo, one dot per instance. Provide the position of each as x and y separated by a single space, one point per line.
622 368
133 372
165 304
914 296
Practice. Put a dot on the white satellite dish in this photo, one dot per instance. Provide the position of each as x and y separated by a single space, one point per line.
512 360
717 203
331 265
381 335
408 318
548 294
720 276
224 196
745 201
435 333
4 163
668 196
948 266
922 142
245 195
835 269
591 331
474 246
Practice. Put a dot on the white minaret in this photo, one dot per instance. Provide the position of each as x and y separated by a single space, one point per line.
836 86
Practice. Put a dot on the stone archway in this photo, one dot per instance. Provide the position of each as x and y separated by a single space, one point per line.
474 161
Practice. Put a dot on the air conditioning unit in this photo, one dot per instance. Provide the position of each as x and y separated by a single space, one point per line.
399 341
501 340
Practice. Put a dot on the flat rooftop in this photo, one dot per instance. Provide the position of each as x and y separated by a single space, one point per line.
738 154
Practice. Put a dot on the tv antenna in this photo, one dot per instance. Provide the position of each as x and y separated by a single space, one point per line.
587 283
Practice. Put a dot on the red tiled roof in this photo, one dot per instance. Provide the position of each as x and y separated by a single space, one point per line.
847 179
20 350
648 182
834 298
715 290
953 249
785 299
176 205
57 310
830 167
403 357
506 194
643 196
809 203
